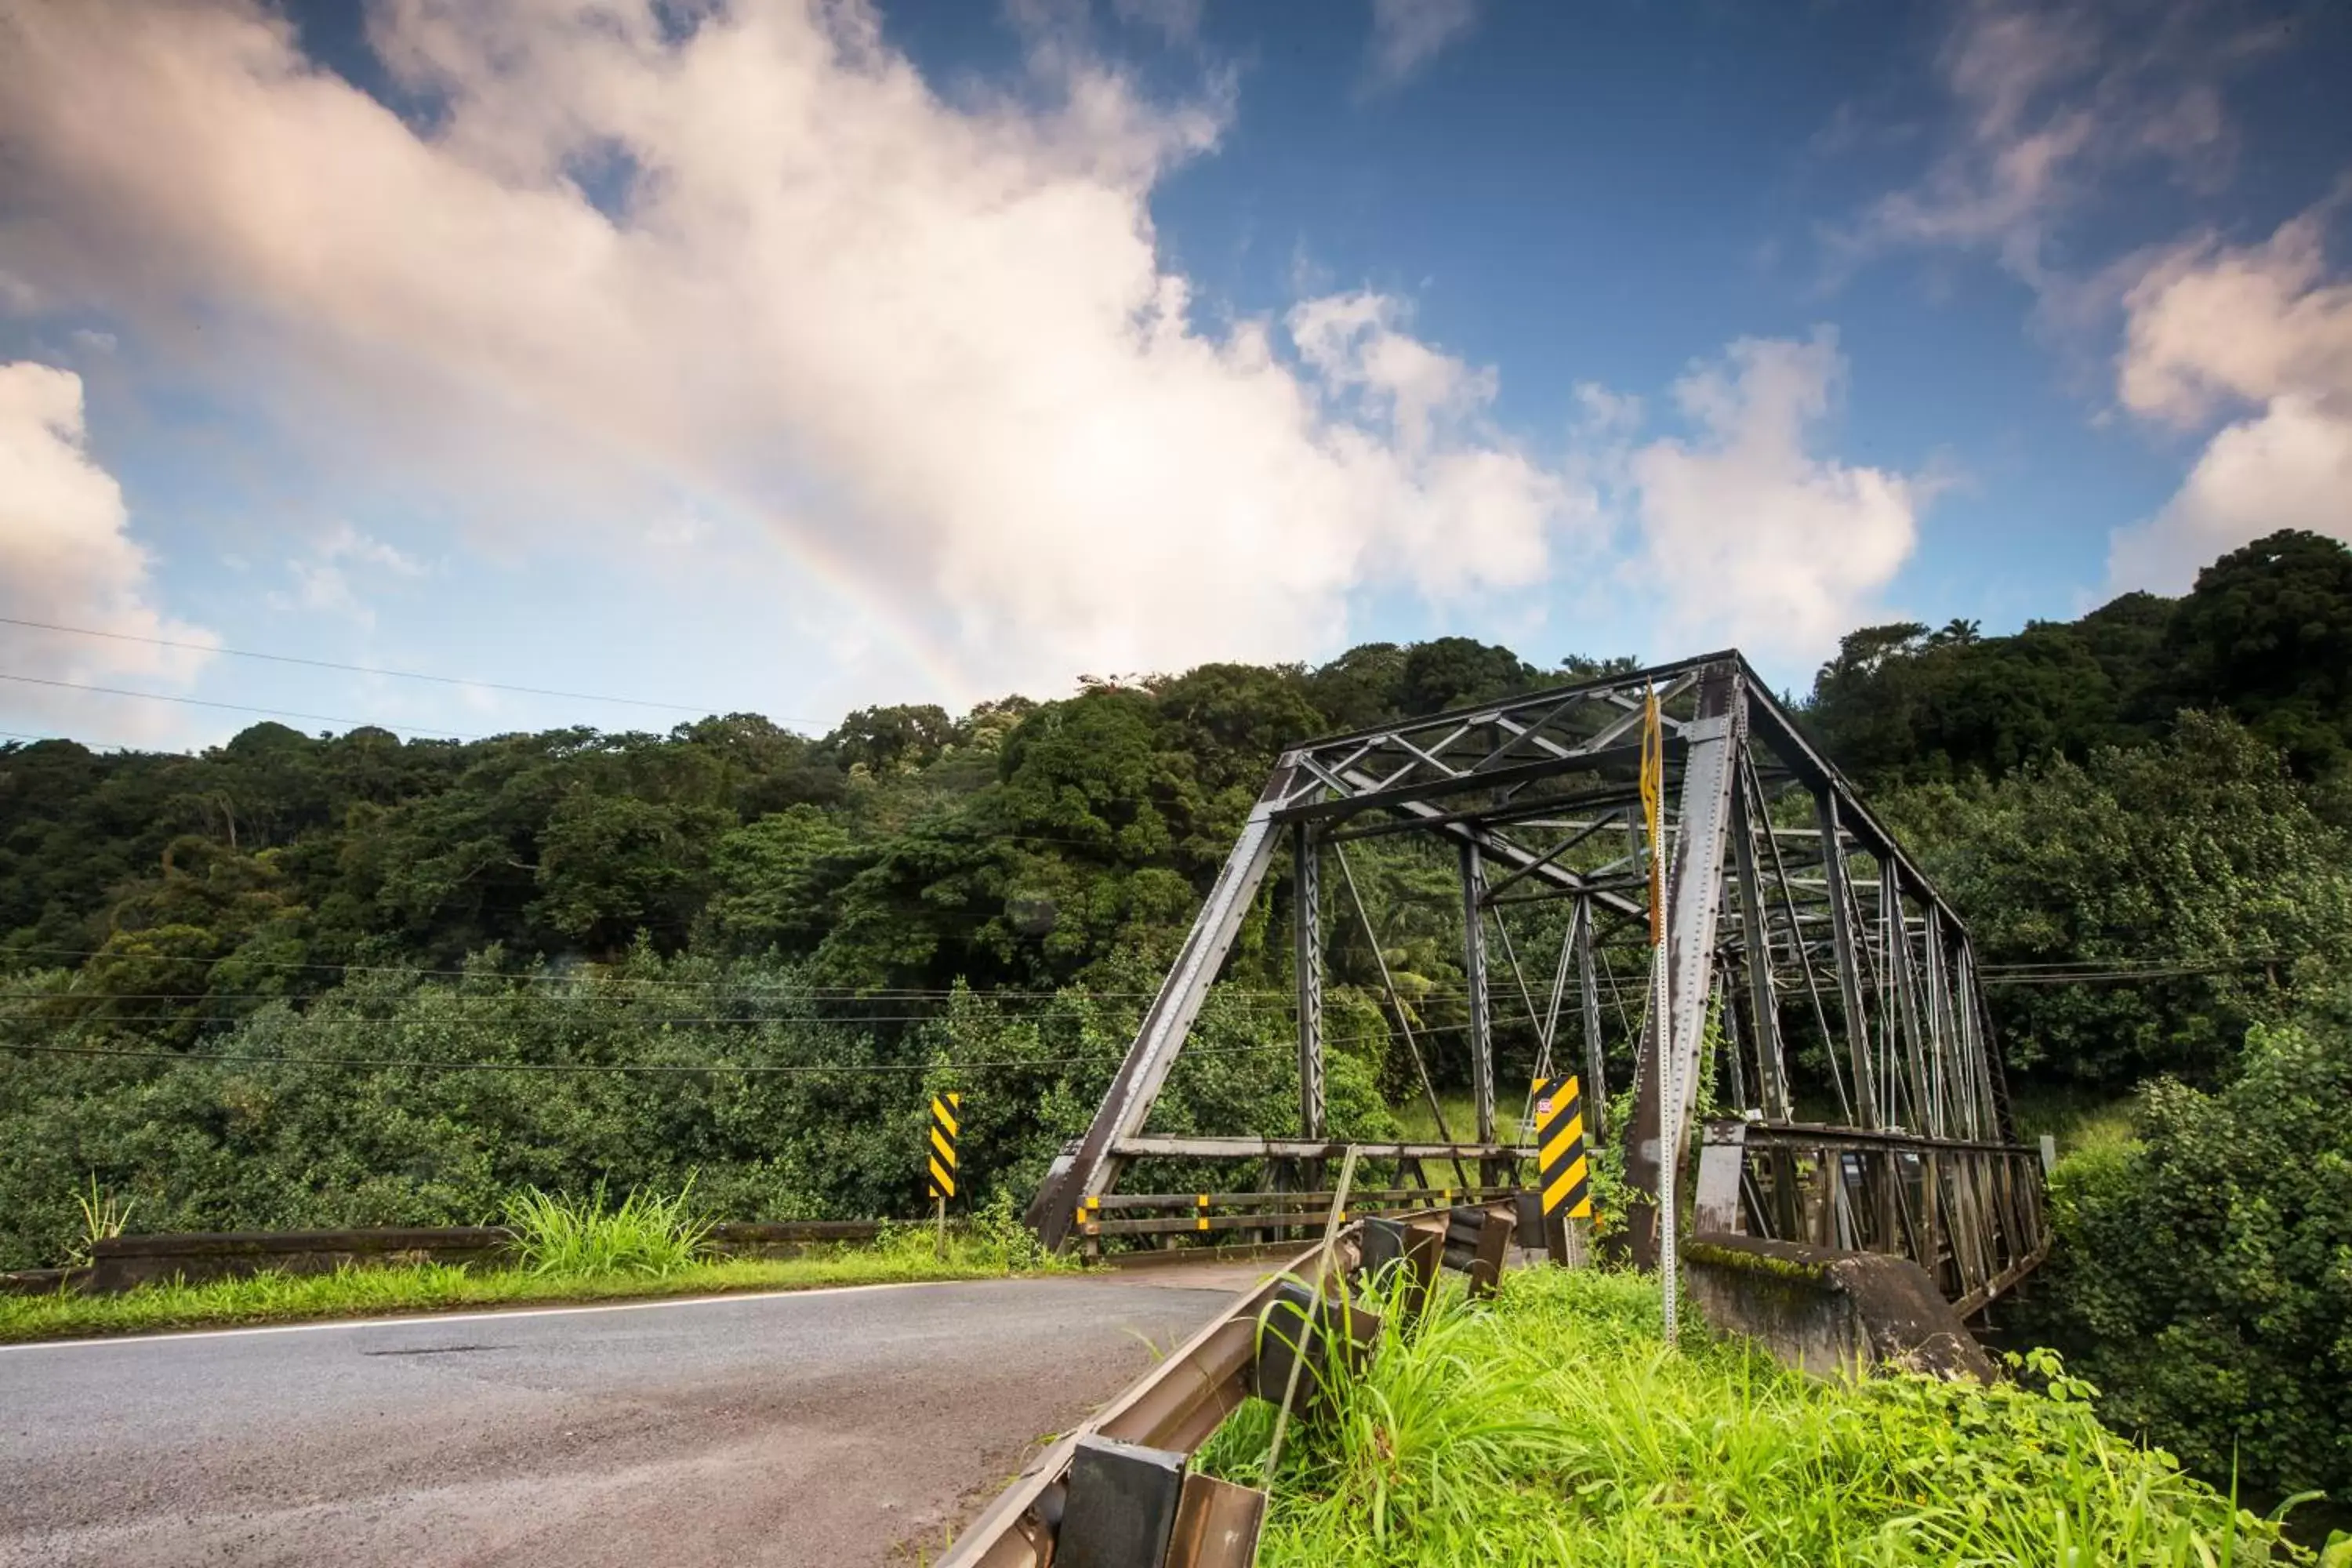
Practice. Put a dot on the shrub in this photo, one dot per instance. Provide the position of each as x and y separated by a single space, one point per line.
2203 1272
650 1234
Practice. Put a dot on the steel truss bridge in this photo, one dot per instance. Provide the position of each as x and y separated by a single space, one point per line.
1792 915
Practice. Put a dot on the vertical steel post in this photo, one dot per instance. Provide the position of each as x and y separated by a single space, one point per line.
1474 965
1756 954
1596 1092
1666 1077
1845 937
1901 975
1306 950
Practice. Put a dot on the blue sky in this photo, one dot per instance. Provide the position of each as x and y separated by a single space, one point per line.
785 358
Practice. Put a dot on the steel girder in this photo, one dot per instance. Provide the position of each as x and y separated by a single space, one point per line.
1790 911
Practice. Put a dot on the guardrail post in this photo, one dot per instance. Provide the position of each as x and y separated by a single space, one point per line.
1217 1524
1122 1507
1284 1326
1477 1240
1416 1249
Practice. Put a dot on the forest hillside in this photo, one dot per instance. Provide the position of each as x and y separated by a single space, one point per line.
348 979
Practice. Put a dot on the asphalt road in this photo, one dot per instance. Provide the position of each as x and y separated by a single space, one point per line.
839 1427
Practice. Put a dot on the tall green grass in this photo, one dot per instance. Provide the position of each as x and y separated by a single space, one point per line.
103 1215
1552 1427
650 1234
2079 1118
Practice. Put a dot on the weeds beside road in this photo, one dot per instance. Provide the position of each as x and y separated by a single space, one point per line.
1551 1425
566 1251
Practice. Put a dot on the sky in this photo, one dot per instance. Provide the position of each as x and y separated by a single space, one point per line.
613 362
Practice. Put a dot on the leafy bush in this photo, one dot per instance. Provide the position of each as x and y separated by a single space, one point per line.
263 1127
2203 1272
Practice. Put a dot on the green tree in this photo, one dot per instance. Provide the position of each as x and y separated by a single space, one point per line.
1453 672
612 865
2267 635
774 881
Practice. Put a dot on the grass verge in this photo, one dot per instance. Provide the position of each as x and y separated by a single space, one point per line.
1553 1426
899 1255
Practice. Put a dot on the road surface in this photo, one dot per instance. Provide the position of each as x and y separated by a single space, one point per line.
838 1426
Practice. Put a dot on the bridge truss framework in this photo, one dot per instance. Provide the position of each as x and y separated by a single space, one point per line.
1792 915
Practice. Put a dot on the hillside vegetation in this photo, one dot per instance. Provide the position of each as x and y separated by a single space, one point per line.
348 979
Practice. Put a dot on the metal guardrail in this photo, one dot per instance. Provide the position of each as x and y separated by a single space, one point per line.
1115 1489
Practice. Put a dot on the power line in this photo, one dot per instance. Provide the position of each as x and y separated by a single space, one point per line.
758 1070
363 668
546 978
477 1065
613 982
68 740
2117 966
235 706
474 1008
399 1023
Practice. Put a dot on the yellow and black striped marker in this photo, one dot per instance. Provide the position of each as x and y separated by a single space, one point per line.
945 1109
1560 1140
1200 1210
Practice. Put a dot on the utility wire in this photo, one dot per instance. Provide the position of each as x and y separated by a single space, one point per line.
363 668
235 707
477 1065
34 735
347 1020
481 1065
542 977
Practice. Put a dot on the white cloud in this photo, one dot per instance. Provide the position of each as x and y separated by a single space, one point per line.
1602 411
2261 331
1178 20
1354 341
2052 96
66 559
930 343
1751 538
322 580
2208 324
1408 33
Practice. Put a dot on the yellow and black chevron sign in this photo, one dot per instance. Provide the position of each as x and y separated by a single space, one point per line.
1559 1137
945 1111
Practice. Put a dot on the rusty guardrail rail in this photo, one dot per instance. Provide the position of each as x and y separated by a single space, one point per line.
1114 1493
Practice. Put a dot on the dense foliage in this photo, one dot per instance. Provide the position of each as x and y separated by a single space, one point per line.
397 1097
2205 1271
2196 872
